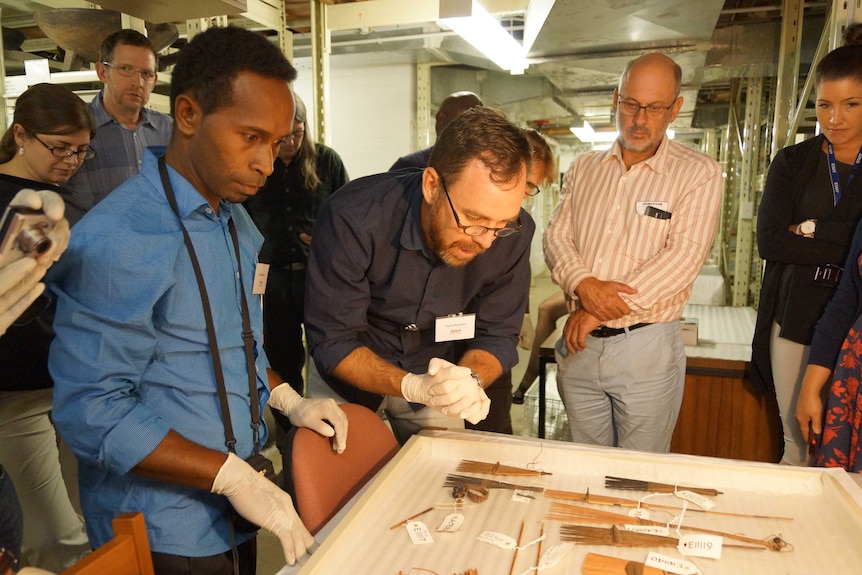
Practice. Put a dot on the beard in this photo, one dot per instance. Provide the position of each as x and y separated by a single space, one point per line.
646 140
455 254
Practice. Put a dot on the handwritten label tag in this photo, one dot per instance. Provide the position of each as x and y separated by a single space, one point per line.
554 555
648 529
497 540
696 498
419 533
639 512
522 496
700 546
451 523
670 564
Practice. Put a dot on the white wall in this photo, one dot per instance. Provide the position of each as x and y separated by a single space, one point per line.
371 113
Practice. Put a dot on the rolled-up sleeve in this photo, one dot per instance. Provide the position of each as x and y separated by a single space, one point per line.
105 338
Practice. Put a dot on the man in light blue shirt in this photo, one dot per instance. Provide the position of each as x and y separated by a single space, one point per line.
124 126
135 393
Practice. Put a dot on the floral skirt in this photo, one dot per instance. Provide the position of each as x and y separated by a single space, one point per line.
843 415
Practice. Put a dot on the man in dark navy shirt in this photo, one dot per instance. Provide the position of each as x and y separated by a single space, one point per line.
407 264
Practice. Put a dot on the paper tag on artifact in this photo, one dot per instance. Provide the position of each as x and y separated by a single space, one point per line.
639 512
552 556
497 540
700 546
452 523
418 532
670 564
696 498
523 496
648 529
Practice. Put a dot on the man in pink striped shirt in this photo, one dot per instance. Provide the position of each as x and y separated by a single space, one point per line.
626 242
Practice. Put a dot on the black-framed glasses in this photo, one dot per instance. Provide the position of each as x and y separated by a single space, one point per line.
532 190
295 136
86 154
477 230
631 108
128 71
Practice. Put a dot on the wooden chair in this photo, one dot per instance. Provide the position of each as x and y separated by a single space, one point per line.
128 553
320 480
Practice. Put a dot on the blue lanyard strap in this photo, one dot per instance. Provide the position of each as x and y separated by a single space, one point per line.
833 172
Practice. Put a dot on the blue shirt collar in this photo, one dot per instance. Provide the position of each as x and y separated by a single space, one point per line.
102 117
189 199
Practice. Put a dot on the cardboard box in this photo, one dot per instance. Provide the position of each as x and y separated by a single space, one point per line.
689 330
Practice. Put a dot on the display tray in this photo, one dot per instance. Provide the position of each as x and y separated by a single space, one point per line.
823 536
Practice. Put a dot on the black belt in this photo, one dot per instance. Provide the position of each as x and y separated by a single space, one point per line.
605 331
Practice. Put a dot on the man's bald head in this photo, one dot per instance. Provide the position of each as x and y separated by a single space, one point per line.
653 64
453 105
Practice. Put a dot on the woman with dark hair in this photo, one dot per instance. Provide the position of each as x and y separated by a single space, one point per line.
48 140
835 351
810 207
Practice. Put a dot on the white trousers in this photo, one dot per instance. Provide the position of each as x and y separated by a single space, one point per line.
789 360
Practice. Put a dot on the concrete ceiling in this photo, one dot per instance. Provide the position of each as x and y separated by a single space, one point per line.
575 61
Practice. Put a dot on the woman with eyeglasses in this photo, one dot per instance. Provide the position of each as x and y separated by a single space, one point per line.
47 142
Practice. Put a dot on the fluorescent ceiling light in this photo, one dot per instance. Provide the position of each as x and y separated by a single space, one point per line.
484 32
534 19
589 136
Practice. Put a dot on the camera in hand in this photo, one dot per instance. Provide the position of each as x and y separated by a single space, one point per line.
24 232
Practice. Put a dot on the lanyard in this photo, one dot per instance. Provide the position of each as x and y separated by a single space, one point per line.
833 172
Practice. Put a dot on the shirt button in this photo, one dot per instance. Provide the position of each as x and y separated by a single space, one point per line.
208 210
237 275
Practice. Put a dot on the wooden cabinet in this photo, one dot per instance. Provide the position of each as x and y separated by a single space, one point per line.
723 416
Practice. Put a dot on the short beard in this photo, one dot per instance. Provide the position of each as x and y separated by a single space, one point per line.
444 252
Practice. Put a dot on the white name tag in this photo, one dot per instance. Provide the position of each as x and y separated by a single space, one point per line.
640 207
455 327
261 272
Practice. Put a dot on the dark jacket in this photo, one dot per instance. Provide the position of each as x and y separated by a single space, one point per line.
798 187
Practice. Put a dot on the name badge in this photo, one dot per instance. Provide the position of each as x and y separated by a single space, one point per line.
455 327
261 272
641 207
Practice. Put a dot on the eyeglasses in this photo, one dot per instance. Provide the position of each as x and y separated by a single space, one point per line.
631 108
127 71
477 230
295 136
86 154
532 190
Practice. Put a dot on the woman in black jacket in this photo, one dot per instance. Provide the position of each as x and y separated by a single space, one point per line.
810 207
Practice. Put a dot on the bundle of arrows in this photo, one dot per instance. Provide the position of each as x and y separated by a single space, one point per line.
566 512
469 466
638 485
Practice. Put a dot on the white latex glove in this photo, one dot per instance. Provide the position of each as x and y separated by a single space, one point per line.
448 388
52 204
19 287
527 335
263 503
319 414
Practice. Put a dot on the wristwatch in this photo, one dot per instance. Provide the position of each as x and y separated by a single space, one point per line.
478 379
807 227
